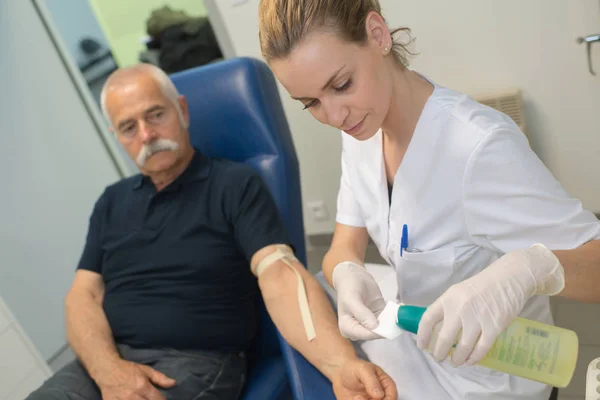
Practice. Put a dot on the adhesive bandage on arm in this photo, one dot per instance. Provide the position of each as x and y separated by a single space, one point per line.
285 255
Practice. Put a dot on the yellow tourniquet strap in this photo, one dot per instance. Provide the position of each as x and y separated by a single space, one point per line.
283 253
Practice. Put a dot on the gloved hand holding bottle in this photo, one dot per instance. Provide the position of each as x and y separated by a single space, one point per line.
359 301
481 307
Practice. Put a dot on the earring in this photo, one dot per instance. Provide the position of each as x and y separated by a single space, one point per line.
386 49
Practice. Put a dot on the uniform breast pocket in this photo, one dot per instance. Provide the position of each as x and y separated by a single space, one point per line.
424 276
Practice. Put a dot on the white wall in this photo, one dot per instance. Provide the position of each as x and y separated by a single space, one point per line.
54 166
474 46
479 46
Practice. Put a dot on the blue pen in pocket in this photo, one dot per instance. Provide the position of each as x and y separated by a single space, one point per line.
404 239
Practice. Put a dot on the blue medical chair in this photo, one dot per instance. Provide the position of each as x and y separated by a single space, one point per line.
236 113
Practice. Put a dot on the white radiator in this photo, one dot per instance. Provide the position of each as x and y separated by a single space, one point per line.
510 102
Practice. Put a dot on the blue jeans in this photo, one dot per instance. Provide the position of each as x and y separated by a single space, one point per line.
200 375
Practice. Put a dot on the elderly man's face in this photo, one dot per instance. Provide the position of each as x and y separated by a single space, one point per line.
149 125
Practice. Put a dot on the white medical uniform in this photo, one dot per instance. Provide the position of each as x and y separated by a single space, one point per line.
469 189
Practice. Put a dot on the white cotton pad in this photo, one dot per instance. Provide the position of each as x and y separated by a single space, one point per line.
387 322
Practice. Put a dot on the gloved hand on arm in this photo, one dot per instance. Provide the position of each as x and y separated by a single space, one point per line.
484 305
359 301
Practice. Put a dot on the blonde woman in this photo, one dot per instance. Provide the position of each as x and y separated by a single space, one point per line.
448 189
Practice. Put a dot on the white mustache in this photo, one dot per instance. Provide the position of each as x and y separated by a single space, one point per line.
154 147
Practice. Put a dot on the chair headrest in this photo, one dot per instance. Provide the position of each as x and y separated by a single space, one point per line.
235 110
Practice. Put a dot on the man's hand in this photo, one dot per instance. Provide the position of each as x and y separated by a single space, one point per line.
359 301
362 380
129 381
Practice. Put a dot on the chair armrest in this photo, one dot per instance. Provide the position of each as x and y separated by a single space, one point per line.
306 381
267 381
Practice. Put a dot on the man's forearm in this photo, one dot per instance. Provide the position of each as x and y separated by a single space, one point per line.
328 351
89 334
582 272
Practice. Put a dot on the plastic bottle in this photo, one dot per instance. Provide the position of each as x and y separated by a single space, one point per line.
529 349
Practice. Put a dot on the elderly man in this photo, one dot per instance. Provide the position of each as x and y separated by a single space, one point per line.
163 301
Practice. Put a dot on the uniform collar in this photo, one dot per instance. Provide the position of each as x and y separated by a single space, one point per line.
198 169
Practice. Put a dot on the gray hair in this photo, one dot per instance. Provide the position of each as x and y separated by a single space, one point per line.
160 77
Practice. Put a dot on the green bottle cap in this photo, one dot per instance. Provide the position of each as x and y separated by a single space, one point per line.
408 317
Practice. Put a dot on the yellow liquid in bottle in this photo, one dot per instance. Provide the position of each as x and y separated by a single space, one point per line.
532 350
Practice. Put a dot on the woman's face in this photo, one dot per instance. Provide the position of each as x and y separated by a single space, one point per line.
342 84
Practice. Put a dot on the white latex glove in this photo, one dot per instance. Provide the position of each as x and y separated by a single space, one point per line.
359 301
484 305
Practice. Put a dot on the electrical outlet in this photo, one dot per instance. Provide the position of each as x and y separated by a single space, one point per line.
318 210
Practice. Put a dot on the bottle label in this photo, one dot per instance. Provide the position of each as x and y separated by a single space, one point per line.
535 351
531 348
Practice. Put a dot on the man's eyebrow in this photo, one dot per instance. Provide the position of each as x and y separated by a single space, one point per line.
154 108
148 111
125 122
329 82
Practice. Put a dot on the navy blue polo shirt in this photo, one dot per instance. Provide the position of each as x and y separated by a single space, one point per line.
176 263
